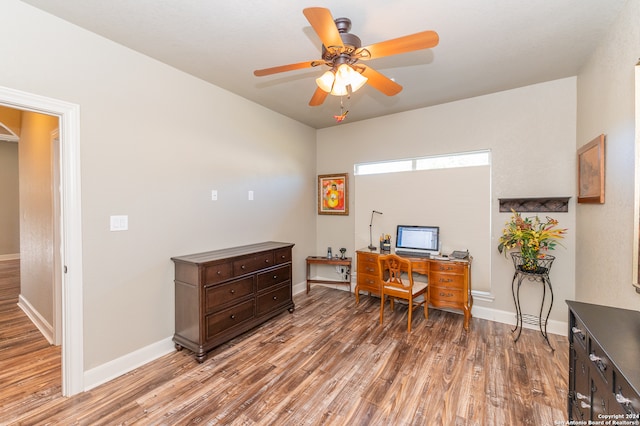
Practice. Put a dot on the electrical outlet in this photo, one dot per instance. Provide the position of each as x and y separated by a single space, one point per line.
214 195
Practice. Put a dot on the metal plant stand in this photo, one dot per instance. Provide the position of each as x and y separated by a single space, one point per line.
539 274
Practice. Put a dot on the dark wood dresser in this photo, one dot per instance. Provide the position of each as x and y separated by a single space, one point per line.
223 293
604 364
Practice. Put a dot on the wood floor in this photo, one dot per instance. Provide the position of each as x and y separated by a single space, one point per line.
328 363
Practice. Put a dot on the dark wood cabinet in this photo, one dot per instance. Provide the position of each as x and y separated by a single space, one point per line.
604 372
223 293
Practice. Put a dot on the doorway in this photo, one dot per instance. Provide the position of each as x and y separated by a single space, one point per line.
70 231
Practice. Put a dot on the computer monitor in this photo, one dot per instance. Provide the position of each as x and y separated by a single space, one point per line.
417 239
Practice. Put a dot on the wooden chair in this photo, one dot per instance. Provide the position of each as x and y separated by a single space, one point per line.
395 286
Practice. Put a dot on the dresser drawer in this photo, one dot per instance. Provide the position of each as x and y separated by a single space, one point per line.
228 318
253 263
451 281
219 295
454 296
625 400
448 266
273 277
600 362
217 273
282 256
271 300
578 333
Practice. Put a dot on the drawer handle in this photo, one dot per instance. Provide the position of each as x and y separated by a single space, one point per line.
266 261
275 297
233 291
243 267
584 404
283 257
622 399
598 361
446 294
232 316
219 272
445 280
581 396
275 277
576 330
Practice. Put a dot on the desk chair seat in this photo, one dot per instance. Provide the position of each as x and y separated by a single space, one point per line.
396 277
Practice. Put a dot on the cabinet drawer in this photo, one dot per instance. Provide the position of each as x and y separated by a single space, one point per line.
217 273
625 400
451 281
271 300
448 266
219 295
273 277
578 333
283 256
600 362
365 258
446 295
581 396
253 263
228 318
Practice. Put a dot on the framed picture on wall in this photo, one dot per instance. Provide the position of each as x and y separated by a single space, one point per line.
333 194
591 172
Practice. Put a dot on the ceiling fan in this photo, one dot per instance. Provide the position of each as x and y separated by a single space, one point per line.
342 51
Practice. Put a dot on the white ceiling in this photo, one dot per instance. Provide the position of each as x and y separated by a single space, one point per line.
485 45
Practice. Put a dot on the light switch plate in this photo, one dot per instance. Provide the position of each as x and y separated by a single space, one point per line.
119 223
250 195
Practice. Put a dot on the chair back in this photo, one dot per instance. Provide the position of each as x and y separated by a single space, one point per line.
392 268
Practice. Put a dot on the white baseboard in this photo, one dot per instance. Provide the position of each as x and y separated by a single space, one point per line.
14 256
119 366
38 320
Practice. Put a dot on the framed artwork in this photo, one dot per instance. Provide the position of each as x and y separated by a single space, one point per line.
591 172
333 194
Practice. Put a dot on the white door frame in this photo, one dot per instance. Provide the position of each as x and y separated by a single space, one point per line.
71 232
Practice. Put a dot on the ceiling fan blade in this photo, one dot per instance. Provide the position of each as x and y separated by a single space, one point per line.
422 40
381 82
318 97
283 68
324 25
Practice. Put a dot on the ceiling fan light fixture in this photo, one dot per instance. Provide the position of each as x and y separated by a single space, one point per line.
337 83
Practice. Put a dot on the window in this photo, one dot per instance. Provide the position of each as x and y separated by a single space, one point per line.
447 161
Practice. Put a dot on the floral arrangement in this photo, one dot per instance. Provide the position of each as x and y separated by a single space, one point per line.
530 235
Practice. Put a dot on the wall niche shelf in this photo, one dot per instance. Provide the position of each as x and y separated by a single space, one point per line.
539 204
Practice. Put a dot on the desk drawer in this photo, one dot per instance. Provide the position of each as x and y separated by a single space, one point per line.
578 333
452 296
448 266
367 282
451 281
600 362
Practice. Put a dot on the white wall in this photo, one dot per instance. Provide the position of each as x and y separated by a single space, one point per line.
531 134
154 143
606 105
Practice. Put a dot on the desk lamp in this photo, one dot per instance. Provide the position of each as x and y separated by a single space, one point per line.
371 246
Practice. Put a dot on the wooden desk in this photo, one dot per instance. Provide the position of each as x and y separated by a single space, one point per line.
449 280
323 260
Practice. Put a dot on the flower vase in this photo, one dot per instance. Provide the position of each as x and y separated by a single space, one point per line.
529 261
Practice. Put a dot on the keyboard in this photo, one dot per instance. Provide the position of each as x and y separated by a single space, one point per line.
413 254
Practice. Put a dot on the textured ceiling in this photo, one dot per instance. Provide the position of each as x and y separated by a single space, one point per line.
485 45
